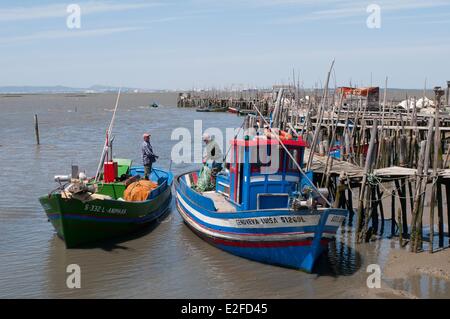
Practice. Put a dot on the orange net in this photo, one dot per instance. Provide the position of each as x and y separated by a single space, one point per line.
139 191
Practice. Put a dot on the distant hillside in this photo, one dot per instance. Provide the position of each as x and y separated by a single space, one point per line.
66 89
392 94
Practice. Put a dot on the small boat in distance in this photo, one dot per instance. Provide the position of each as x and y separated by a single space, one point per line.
243 112
212 109
233 110
276 217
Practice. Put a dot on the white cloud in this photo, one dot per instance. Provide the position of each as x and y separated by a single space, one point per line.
59 10
66 34
265 3
331 10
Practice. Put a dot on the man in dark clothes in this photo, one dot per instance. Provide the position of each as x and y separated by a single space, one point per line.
148 157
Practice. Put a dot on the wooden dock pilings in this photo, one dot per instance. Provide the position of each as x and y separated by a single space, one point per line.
243 102
409 188
400 160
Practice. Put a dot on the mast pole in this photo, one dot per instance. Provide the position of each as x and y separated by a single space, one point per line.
106 146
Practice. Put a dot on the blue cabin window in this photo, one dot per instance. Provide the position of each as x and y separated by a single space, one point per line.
290 165
262 159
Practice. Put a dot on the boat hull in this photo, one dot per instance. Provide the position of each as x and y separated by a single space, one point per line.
233 110
212 109
246 112
293 239
79 223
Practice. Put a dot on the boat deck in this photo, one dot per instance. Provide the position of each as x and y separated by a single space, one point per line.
221 203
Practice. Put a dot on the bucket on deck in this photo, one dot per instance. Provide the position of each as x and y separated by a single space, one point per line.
110 172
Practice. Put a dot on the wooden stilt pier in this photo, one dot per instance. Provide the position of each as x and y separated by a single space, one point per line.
384 153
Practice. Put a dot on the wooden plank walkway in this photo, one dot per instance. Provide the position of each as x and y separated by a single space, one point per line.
354 171
387 127
319 163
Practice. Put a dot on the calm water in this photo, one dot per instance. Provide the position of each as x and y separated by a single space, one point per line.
165 261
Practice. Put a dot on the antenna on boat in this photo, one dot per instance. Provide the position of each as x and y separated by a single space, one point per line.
294 160
107 146
322 107
235 136
170 165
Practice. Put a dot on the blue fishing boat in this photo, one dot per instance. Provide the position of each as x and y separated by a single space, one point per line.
262 211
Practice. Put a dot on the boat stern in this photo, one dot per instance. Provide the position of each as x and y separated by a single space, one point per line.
330 220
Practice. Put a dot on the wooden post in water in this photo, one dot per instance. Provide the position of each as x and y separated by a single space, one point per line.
393 214
373 213
404 209
447 101
380 205
415 210
367 170
328 165
421 188
440 213
447 197
36 129
432 206
400 236
412 149
438 94
401 191
350 203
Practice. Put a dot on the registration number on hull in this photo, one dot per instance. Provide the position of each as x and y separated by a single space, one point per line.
281 220
101 209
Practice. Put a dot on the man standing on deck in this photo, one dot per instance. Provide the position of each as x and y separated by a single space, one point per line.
148 157
213 155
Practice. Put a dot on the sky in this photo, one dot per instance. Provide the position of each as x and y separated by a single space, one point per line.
185 44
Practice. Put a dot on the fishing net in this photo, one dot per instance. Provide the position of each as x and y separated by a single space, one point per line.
139 191
204 183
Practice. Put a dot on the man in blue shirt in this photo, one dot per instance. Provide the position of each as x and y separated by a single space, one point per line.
148 157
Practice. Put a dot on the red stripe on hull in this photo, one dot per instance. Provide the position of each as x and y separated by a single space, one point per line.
234 233
250 244
273 244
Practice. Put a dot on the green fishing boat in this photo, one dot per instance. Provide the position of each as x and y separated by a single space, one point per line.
117 201
98 211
